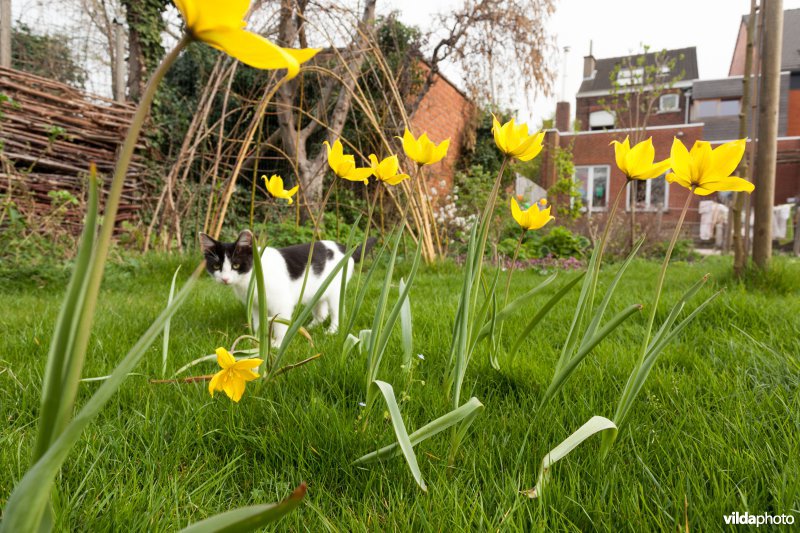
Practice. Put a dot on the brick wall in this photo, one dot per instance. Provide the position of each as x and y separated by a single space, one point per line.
739 52
593 149
787 172
445 112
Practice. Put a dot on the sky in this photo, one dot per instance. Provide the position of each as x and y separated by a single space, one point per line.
615 28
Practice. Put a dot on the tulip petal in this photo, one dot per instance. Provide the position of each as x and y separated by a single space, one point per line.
245 364
730 183
224 358
680 180
725 158
250 49
681 161
640 158
700 159
655 170
516 213
621 150
214 384
438 152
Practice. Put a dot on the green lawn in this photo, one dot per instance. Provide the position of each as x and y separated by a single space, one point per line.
716 429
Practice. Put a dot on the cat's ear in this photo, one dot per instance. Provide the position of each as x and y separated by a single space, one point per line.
245 239
207 243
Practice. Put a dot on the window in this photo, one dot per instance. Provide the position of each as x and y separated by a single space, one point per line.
593 184
601 120
650 195
630 76
669 102
716 108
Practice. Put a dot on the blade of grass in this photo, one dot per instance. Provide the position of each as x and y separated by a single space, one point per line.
406 328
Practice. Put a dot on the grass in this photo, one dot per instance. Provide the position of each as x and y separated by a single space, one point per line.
715 430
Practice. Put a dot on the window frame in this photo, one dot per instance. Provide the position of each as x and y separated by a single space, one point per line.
662 109
590 185
648 207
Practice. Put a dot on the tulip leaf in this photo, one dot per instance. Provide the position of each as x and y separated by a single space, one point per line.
546 308
406 328
403 439
248 518
63 337
464 415
264 329
165 347
27 503
595 425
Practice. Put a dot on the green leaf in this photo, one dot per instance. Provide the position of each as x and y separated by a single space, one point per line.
406 327
248 518
165 347
358 300
400 431
264 329
63 340
595 424
27 502
464 415
546 308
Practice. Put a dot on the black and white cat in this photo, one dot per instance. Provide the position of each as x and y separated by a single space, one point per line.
231 263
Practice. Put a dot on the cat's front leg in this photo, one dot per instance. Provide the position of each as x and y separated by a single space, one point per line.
278 328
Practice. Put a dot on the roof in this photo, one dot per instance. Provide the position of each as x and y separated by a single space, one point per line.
790 49
685 61
722 88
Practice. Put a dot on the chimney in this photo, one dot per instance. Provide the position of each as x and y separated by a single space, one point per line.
562 116
589 63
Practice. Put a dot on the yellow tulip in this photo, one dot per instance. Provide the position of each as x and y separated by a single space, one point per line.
233 376
704 170
275 188
387 170
533 217
220 24
638 163
345 165
514 140
423 150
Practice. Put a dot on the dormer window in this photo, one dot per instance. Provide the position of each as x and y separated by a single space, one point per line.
630 76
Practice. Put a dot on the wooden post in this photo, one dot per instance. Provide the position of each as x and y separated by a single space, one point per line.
739 250
767 150
5 33
119 62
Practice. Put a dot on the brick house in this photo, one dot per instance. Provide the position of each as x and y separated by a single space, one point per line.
445 112
692 109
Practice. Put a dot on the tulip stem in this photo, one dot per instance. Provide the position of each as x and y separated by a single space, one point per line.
604 241
662 275
513 265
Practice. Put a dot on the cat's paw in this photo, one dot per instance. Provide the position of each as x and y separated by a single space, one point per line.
333 328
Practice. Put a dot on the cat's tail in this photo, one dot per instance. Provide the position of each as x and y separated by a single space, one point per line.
357 255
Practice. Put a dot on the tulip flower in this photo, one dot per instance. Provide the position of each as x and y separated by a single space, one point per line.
704 170
220 25
233 376
514 140
387 170
345 165
275 188
533 217
424 151
638 163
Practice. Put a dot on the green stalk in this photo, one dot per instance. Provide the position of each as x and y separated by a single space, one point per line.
513 263
74 363
661 276
603 243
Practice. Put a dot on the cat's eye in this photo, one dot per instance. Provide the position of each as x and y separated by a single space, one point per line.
217 267
235 266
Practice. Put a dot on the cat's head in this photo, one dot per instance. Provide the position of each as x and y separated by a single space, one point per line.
229 262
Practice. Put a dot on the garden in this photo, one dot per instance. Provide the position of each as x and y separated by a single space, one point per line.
333 337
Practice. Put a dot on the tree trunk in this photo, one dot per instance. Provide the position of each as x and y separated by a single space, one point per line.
5 33
767 132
